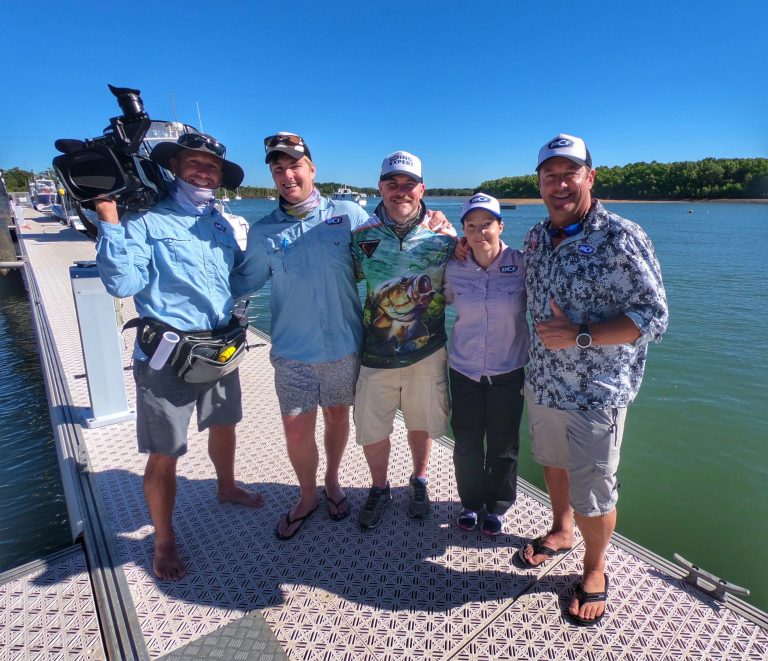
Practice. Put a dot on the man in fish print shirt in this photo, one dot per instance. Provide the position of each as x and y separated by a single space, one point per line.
404 359
596 298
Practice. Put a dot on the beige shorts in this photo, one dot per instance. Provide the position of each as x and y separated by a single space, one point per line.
585 443
419 390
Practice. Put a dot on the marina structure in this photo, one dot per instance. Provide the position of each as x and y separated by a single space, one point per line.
407 590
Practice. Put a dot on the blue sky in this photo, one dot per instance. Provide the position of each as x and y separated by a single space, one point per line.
474 89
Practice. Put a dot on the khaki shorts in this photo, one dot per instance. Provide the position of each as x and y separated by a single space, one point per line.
419 390
585 443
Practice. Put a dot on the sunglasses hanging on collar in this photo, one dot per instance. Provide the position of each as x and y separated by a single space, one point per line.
569 230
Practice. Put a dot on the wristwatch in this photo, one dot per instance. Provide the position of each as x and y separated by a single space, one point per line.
584 338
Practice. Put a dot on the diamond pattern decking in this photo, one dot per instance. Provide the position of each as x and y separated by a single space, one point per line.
409 589
49 612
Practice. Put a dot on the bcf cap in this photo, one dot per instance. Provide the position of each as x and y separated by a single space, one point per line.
567 146
481 201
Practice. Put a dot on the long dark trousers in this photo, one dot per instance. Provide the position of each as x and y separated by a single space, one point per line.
486 427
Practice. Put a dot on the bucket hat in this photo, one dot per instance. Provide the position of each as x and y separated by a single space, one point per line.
162 154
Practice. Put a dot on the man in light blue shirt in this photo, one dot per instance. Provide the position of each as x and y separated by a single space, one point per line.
176 260
304 247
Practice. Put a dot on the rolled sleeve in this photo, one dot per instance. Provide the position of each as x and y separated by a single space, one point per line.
646 298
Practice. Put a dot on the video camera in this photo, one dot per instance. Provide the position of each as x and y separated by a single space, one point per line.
117 164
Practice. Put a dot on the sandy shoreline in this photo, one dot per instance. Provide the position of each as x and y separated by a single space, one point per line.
532 200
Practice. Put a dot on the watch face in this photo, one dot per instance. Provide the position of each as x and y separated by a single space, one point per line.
584 340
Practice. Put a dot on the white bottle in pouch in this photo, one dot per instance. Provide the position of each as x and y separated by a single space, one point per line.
164 349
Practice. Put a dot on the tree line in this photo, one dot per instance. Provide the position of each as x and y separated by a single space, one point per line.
710 178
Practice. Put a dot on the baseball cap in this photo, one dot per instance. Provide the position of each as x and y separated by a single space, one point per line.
287 143
481 201
567 146
401 162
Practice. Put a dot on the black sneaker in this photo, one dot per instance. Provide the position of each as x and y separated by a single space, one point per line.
467 520
371 514
492 524
419 506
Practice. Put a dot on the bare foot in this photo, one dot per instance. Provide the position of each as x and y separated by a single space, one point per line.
240 496
553 540
335 494
592 582
167 564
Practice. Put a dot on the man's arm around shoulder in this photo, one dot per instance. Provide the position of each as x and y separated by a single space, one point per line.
251 274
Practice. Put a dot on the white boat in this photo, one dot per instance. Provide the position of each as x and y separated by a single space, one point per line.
225 198
239 223
160 131
42 193
67 215
346 193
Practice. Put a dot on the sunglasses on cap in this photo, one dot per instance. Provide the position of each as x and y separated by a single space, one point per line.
286 139
202 141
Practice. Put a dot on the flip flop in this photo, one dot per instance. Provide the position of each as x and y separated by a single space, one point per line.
301 520
539 548
585 597
337 516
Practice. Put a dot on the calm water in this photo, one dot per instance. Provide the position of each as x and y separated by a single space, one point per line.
695 455
34 521
695 460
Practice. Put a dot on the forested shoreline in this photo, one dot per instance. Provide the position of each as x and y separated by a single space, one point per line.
709 178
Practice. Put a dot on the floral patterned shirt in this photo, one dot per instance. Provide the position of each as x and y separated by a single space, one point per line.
608 269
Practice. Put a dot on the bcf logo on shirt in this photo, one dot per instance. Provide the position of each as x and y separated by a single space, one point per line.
336 220
507 269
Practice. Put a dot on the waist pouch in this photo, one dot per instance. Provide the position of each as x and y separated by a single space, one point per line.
199 357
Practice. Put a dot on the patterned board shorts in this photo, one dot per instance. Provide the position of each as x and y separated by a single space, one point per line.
302 387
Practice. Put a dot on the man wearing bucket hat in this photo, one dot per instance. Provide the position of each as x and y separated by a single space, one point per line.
489 347
596 298
402 259
156 257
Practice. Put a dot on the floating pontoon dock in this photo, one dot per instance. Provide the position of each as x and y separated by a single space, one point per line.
407 590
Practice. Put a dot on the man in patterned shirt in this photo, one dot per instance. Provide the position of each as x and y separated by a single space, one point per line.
596 299
404 362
